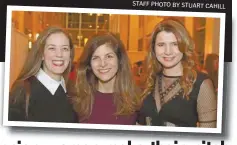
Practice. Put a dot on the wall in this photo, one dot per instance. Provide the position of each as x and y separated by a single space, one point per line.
19 52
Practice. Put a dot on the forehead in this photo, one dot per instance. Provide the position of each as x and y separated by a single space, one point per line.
165 36
103 50
58 38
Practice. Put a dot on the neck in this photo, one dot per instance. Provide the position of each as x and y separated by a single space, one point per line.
177 70
106 87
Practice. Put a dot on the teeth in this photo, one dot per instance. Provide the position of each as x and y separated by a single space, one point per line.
58 62
104 70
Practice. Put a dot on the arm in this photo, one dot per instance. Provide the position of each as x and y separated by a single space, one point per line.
207 105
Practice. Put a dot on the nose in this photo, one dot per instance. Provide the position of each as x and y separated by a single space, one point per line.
59 52
168 50
103 63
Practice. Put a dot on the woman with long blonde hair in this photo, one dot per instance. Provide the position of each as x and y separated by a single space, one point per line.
176 93
39 93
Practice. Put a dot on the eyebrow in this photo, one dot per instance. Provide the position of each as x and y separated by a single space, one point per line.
110 53
55 45
165 42
105 54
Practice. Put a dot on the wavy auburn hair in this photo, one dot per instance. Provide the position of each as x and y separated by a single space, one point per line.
125 91
186 46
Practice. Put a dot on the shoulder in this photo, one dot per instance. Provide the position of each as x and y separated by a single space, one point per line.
20 88
147 102
201 77
17 91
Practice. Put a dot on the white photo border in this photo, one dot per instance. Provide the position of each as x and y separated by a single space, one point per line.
216 130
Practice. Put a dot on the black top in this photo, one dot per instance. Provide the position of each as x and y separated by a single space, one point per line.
178 111
43 106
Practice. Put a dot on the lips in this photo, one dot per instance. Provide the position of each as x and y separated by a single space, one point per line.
168 58
58 62
104 70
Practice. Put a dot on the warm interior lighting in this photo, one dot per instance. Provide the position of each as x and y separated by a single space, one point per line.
30 35
79 37
36 35
30 44
90 26
85 40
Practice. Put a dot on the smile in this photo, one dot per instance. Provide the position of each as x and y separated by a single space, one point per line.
58 62
168 58
104 70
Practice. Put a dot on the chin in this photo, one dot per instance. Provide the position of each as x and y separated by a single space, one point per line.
59 72
165 65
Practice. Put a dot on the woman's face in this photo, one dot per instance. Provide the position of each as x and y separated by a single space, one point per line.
56 55
167 50
104 63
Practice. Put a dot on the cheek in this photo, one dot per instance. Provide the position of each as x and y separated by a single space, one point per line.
47 56
114 64
67 55
94 65
176 50
158 51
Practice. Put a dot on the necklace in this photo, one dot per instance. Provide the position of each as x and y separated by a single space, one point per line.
170 76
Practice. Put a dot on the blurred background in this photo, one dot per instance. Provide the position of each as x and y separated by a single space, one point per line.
134 30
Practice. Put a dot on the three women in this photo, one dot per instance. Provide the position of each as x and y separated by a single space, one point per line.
177 94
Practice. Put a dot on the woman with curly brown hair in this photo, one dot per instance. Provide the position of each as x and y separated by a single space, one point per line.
105 91
176 93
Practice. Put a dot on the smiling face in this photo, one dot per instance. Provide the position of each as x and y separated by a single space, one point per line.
56 55
167 50
104 63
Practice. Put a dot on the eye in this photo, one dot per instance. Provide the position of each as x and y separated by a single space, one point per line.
65 49
160 44
51 48
94 58
110 56
175 43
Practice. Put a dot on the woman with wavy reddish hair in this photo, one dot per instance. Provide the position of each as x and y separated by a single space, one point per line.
105 91
176 93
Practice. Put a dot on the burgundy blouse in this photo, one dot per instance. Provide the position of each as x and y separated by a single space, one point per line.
104 109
